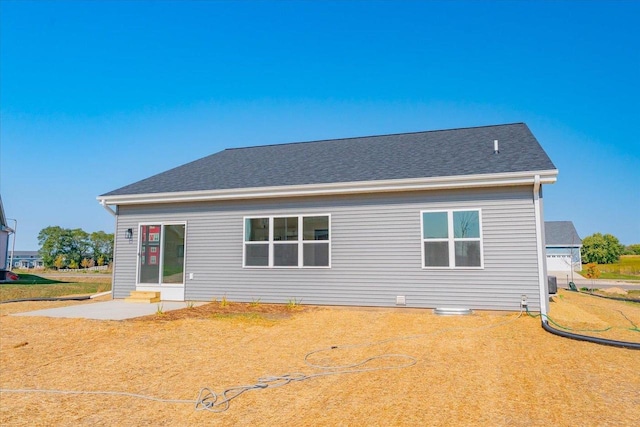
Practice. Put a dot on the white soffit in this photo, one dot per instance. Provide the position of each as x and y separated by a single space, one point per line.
415 184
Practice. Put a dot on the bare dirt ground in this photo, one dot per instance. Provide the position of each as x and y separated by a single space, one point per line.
490 369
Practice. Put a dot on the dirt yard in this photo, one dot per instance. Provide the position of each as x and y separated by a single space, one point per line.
489 369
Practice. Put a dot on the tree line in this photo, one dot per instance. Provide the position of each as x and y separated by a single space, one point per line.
74 248
605 249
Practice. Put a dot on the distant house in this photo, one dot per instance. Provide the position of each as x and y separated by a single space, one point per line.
27 259
449 218
562 246
5 232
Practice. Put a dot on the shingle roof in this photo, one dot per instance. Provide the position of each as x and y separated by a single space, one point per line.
465 151
561 233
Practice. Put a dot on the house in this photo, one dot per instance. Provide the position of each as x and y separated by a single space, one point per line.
5 232
27 259
448 218
562 247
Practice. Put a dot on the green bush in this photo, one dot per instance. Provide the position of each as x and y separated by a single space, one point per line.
601 249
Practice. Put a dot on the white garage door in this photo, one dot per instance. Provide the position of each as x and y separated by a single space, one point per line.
558 263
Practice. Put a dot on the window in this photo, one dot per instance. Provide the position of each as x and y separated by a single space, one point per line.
452 239
287 241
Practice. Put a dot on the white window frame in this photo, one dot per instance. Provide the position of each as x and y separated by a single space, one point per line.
159 254
451 240
271 242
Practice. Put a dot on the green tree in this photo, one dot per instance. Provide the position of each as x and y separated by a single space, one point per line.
101 246
633 249
50 239
78 246
73 245
601 249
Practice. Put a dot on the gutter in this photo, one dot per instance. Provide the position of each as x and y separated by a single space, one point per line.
340 188
104 205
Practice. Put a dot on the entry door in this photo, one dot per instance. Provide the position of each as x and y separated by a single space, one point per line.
161 256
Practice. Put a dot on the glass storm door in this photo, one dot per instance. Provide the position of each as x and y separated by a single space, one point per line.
161 254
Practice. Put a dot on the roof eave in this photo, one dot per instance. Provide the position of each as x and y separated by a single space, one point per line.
340 188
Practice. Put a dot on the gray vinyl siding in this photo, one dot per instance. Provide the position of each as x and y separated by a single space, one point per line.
375 251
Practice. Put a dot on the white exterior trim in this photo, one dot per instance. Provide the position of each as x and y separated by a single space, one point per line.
168 291
413 184
271 242
451 240
542 261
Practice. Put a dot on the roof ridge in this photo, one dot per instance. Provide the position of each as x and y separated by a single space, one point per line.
372 136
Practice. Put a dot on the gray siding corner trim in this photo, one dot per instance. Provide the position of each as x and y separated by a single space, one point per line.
376 245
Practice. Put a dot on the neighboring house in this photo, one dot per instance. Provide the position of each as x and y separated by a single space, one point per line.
563 246
5 232
27 259
449 218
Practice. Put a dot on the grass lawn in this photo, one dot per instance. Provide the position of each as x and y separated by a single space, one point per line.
488 369
627 268
32 286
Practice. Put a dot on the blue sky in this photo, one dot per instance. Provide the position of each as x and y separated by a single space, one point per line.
97 95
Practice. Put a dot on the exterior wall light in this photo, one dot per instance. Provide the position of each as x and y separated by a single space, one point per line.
128 233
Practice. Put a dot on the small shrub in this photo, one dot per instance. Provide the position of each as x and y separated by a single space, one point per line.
223 301
160 310
592 270
59 262
190 304
293 303
254 302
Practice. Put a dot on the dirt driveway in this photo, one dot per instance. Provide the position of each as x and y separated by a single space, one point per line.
492 369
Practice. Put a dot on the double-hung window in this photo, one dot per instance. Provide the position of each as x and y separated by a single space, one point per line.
287 241
452 239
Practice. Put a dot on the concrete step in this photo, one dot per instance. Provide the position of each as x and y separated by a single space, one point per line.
143 297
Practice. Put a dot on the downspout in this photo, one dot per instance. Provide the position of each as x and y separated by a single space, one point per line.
104 205
542 265
115 238
13 247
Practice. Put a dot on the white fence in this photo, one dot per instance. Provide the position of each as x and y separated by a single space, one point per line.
80 270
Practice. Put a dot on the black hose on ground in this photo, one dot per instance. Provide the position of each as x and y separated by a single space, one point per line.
572 287
613 298
595 340
79 298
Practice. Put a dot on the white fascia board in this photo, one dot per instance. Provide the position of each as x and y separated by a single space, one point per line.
414 184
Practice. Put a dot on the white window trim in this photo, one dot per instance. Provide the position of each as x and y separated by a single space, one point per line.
159 253
451 239
271 243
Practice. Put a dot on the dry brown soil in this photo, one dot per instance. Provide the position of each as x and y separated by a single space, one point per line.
488 369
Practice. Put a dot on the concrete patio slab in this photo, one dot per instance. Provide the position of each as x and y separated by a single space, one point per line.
107 310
